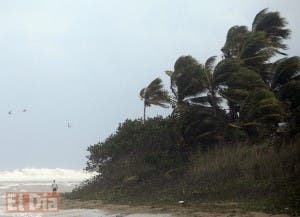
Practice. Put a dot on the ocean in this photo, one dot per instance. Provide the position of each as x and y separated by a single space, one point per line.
40 180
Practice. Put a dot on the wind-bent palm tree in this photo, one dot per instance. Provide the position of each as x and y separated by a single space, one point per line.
205 93
247 53
154 94
186 84
186 80
286 85
211 84
195 103
254 48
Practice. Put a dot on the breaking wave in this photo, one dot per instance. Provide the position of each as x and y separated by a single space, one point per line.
44 174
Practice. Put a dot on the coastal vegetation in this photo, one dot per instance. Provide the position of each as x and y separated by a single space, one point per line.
232 135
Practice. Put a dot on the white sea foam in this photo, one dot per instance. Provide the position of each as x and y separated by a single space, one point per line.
44 174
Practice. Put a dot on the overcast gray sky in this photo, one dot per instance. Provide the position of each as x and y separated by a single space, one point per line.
84 61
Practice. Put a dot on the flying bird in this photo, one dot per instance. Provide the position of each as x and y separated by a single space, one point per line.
69 125
24 110
10 112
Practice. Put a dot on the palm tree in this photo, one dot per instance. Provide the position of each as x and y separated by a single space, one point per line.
247 57
255 48
186 83
207 86
286 85
186 80
195 102
154 94
235 83
211 84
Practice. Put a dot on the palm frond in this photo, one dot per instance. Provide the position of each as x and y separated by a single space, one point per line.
210 63
234 41
274 26
285 70
169 73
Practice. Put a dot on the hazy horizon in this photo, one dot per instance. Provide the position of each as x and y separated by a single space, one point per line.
84 63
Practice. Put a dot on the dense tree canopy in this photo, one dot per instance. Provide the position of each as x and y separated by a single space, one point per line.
260 93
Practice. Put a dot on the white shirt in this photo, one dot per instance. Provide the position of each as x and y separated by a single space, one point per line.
54 185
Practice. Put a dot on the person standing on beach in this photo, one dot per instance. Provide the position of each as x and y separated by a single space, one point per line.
54 186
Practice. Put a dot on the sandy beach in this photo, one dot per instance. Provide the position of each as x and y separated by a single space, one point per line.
117 210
